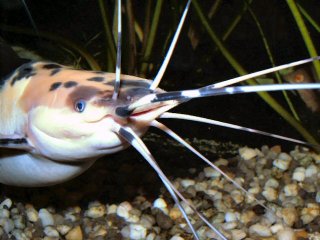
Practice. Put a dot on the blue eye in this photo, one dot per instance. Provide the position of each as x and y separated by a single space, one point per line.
80 105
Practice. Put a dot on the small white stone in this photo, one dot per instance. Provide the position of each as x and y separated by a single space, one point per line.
6 203
159 203
270 194
291 190
237 196
96 211
187 182
211 173
124 209
230 217
19 235
70 217
18 221
176 237
260 230
112 209
238 234
281 164
221 162
311 171
32 214
46 217
273 183
51 231
186 207
4 213
247 153
214 194
147 221
247 217
63 229
309 213
276 228
229 225
137 231
299 174
286 234
201 186
285 156
7 224
254 190
151 236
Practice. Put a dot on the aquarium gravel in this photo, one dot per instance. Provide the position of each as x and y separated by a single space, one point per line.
287 183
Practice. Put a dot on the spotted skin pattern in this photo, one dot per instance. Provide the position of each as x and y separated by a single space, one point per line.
35 102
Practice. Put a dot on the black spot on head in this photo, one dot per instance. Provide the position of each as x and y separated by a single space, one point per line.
130 83
51 66
99 72
25 71
55 71
83 92
96 79
70 84
54 86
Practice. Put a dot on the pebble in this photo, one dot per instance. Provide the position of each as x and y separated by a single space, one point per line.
19 235
75 234
50 231
260 230
7 224
63 229
270 194
209 172
238 234
18 221
299 174
147 221
123 210
272 183
175 213
161 204
32 214
177 237
7 203
46 217
312 171
247 153
286 234
134 231
289 215
231 216
291 190
4 213
96 211
188 182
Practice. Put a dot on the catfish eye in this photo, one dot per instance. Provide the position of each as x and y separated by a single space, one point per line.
80 105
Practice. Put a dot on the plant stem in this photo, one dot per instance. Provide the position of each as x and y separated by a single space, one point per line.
241 71
305 34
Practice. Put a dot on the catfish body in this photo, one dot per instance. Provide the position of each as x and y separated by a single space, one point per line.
55 121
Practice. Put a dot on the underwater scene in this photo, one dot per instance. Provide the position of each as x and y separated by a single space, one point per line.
84 158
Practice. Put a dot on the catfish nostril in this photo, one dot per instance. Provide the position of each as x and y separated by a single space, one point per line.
123 111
